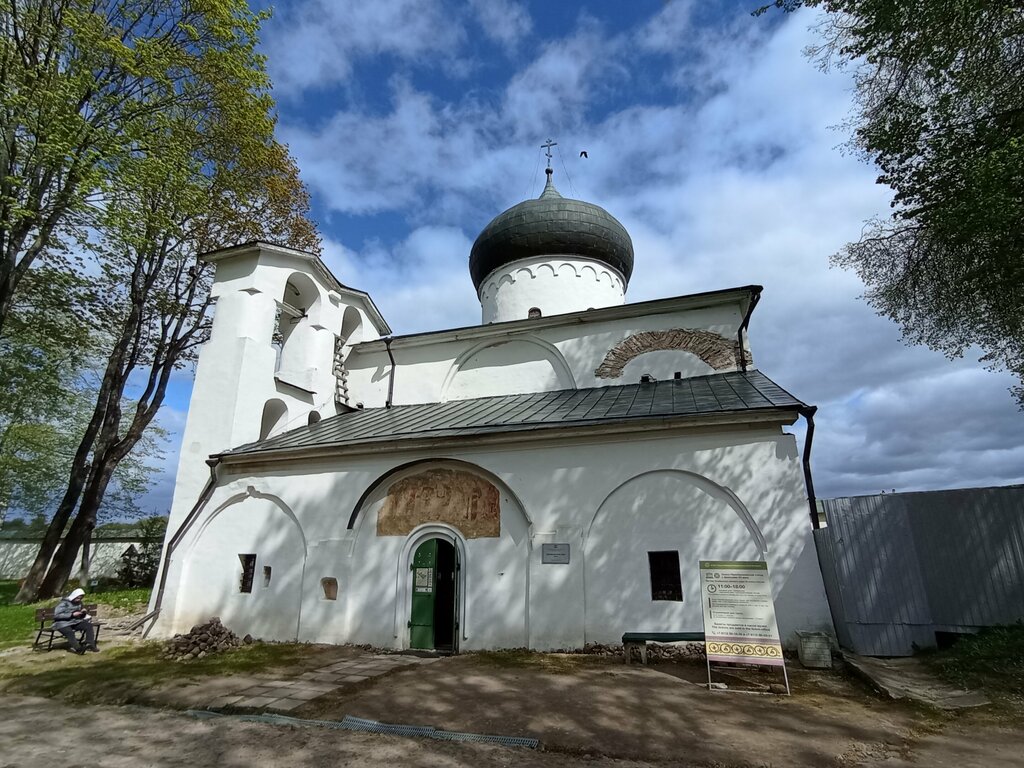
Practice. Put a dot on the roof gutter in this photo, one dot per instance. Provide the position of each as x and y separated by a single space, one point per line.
391 374
179 534
808 413
741 353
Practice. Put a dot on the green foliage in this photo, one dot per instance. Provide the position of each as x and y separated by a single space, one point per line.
174 117
993 659
940 111
140 563
8 589
81 82
43 356
16 623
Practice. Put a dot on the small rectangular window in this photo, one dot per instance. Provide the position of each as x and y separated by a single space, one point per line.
665 580
266 575
329 584
248 572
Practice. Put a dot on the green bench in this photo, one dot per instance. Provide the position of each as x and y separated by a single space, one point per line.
640 640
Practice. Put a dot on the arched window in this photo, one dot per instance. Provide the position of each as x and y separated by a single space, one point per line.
351 326
293 329
314 417
533 313
274 414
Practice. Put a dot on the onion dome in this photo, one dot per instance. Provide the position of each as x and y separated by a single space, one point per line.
551 225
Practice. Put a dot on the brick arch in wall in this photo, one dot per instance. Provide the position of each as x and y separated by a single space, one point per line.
718 351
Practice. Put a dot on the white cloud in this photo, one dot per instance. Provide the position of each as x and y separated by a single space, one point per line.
421 284
548 97
668 29
317 44
504 21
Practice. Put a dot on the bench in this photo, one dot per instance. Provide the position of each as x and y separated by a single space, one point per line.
639 640
45 618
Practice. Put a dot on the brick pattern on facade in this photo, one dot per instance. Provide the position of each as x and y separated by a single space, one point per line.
713 348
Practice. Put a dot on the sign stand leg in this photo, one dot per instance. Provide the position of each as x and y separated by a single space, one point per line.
708 660
785 676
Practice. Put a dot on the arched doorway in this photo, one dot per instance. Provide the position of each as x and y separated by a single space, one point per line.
434 613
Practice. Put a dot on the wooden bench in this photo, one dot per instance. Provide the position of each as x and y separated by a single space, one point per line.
45 618
639 640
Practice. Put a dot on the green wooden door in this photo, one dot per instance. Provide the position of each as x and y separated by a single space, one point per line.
424 582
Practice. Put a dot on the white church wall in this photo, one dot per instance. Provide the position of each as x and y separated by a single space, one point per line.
545 357
493 610
516 366
552 285
210 577
661 510
240 371
690 487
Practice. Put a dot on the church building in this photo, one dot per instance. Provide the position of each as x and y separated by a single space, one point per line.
545 479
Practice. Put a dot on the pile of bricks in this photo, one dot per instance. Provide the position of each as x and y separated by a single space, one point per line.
655 651
203 640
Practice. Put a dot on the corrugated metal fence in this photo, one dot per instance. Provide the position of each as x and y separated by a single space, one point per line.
900 567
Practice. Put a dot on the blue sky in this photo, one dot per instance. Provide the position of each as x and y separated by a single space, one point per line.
710 136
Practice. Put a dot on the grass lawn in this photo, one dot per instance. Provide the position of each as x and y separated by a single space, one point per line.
17 622
992 660
128 673
122 673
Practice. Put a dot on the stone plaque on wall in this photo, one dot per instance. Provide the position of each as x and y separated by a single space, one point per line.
463 500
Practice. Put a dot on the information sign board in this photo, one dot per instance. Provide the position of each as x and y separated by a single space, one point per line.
739 615
423 580
557 554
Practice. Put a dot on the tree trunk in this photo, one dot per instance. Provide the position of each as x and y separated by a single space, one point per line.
30 588
83 569
64 561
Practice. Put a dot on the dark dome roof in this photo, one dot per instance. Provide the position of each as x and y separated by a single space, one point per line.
551 225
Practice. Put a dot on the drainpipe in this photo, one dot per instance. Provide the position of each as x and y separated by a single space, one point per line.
808 412
173 542
755 297
391 375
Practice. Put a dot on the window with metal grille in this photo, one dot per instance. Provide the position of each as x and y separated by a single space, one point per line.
665 580
248 572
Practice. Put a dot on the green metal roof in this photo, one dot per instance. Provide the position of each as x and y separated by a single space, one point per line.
718 394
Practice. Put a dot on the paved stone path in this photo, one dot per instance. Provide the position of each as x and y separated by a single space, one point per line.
285 695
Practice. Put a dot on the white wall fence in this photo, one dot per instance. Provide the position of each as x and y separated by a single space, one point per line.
900 567
17 554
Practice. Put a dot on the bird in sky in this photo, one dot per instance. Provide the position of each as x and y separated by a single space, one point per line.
584 153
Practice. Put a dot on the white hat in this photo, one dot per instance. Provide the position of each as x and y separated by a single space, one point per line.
76 594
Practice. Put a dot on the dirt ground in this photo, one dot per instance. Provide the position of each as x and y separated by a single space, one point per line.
36 732
585 710
603 708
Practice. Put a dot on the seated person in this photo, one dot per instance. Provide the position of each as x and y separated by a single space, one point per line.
69 616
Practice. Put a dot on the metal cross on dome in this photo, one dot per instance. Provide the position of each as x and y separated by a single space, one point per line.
548 145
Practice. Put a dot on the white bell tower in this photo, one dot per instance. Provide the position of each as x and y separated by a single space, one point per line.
275 359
